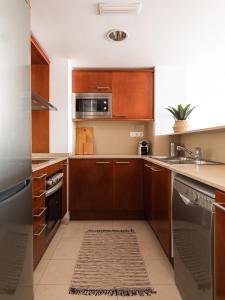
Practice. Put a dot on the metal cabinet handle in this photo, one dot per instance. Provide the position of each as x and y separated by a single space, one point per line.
39 196
39 177
148 166
155 170
219 205
102 162
103 87
123 162
40 232
43 209
120 115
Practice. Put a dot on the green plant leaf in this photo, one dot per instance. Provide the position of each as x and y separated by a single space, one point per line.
172 112
189 112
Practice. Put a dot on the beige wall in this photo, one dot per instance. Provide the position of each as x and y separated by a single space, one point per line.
114 137
212 144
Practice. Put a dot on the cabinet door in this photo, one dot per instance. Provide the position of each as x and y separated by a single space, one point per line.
92 82
133 95
147 191
220 247
128 191
91 189
161 206
64 189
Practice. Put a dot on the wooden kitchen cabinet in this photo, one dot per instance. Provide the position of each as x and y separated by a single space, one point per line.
39 208
106 189
64 188
92 81
128 189
220 247
91 189
157 195
132 94
40 83
147 191
38 211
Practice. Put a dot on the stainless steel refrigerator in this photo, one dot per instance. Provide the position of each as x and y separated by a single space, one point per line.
15 152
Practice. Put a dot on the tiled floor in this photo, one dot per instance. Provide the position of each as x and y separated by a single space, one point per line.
53 274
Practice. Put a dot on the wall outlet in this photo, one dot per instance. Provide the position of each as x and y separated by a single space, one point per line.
136 133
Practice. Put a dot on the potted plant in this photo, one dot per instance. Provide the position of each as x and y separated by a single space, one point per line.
180 114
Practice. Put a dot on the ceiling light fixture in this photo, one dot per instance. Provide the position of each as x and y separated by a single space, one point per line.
117 8
117 35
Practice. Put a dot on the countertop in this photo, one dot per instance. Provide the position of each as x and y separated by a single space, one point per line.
213 175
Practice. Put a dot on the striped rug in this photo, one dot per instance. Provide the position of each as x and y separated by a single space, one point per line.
110 263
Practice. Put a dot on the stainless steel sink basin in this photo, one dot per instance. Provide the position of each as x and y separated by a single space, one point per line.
185 161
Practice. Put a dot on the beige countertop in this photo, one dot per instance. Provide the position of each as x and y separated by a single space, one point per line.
52 161
213 175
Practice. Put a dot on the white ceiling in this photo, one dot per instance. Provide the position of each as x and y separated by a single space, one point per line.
165 32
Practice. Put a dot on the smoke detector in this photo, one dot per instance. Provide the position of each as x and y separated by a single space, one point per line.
117 35
118 8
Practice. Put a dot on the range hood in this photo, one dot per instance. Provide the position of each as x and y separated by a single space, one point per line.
39 103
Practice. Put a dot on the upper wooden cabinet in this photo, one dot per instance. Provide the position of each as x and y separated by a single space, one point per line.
92 82
133 94
40 83
132 91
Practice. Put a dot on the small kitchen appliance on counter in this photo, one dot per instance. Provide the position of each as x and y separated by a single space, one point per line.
144 147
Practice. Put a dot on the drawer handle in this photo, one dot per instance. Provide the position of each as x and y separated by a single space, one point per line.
219 205
40 232
148 166
43 209
123 162
39 196
155 170
120 115
39 177
103 87
102 162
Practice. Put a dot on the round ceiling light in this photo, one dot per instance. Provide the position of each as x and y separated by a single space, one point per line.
117 35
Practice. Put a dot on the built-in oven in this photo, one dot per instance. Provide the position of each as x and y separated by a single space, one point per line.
53 202
92 105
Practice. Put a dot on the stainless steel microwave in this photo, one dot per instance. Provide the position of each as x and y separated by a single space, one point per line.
92 105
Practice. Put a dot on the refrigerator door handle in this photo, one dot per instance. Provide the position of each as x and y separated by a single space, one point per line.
6 195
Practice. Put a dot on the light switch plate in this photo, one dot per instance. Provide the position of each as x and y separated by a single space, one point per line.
136 133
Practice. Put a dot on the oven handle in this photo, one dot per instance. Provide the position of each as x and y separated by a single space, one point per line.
54 189
186 200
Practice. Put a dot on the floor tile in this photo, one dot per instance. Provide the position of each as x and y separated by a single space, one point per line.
58 272
68 248
39 271
160 271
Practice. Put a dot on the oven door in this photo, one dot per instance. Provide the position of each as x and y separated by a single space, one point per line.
93 105
53 203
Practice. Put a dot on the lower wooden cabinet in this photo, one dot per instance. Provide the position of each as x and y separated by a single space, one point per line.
39 206
105 189
128 189
220 247
157 198
90 188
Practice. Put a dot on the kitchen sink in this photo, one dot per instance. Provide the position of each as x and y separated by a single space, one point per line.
185 161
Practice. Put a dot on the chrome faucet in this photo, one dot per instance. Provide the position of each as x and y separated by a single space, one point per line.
196 155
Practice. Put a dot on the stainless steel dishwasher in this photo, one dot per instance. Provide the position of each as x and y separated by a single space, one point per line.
193 233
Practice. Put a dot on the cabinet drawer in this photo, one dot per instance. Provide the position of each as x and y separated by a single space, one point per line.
38 183
39 202
38 222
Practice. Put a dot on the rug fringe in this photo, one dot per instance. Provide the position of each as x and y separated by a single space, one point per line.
112 292
108 230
